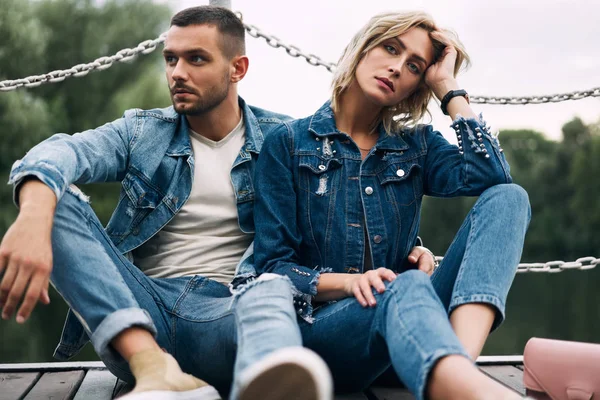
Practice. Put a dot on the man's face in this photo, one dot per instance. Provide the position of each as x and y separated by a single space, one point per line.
198 73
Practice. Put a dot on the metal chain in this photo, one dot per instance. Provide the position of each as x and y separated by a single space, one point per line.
79 70
148 46
292 50
553 267
553 98
316 61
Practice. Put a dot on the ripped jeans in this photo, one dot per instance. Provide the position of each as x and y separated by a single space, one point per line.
213 334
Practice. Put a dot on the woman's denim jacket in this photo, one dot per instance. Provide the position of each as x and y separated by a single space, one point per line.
150 153
315 195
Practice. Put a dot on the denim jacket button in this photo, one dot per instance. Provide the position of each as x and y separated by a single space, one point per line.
322 167
400 172
369 190
377 238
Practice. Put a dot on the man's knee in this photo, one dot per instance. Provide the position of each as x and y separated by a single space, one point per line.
73 201
266 284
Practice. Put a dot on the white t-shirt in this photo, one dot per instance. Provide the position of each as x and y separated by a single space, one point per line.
204 238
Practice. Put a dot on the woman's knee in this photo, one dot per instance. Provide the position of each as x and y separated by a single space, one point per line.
412 282
512 198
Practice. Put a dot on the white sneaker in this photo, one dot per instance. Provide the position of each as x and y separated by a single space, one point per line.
292 373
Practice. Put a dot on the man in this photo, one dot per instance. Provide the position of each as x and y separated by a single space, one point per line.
185 213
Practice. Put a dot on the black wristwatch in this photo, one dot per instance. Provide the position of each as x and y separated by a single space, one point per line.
449 96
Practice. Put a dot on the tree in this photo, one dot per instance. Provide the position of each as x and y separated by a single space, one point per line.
47 35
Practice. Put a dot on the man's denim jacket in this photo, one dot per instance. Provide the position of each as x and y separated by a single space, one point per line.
150 153
315 194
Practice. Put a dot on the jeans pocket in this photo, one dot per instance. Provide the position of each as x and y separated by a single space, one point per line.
203 300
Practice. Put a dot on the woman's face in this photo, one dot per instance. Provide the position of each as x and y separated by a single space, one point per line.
392 71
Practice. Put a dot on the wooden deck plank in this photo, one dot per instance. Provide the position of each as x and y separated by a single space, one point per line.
391 393
14 385
62 381
51 366
56 386
97 385
508 375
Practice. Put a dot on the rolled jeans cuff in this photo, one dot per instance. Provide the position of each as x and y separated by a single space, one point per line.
489 299
114 324
429 363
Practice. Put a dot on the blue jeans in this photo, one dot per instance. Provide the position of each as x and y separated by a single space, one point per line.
409 327
213 334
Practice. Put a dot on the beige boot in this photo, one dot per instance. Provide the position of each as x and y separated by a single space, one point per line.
158 376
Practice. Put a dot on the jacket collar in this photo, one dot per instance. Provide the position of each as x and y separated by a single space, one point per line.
322 124
254 135
181 146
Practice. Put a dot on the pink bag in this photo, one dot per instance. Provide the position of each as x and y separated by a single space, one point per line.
561 370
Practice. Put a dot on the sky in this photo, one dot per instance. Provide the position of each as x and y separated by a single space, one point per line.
517 48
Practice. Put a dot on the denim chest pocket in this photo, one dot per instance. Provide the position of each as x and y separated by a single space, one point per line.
317 175
402 182
137 200
140 193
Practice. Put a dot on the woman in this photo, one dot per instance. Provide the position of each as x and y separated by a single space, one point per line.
337 211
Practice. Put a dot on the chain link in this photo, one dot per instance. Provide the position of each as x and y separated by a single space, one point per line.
292 50
148 46
554 98
79 70
553 267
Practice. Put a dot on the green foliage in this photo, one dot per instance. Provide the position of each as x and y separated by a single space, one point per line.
43 36
19 32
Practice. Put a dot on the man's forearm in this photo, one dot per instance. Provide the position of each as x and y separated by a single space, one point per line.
37 200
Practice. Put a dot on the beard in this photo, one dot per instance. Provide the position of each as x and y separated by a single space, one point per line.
212 97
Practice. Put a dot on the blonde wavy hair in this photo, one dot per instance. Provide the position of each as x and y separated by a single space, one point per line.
379 29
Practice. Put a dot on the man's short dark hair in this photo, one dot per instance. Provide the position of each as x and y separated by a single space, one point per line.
228 24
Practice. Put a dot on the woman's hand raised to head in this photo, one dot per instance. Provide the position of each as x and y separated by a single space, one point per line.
360 285
440 76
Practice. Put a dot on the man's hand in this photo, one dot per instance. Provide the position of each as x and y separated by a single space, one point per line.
26 253
423 258
360 285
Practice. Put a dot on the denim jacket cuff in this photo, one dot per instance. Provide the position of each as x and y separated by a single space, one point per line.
473 133
304 288
46 173
304 279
